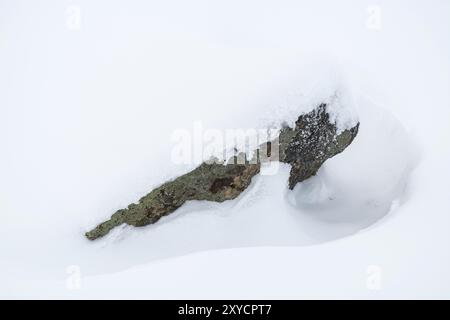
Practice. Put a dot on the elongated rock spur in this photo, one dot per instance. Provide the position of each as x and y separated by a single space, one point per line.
313 140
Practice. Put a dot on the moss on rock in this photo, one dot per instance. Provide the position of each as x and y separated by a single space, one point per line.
306 147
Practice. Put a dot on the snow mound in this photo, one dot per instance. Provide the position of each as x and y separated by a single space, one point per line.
351 192
319 83
360 186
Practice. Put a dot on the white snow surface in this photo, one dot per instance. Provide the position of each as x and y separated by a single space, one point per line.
86 122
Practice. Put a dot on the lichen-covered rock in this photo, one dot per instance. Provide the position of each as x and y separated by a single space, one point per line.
210 181
313 140
306 147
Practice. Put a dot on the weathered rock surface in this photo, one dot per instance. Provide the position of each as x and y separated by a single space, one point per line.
313 140
212 182
306 147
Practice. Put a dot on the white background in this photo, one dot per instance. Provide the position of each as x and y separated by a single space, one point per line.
87 113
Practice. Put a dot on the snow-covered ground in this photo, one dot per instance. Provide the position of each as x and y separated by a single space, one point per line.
91 93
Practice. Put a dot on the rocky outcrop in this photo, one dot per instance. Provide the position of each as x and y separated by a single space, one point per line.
306 147
210 181
313 140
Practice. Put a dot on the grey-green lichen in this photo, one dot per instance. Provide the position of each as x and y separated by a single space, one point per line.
306 147
313 140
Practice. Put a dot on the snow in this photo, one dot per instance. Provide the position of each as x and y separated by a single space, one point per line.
320 82
86 128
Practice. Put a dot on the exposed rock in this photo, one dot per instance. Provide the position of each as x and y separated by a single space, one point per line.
210 181
305 147
313 140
